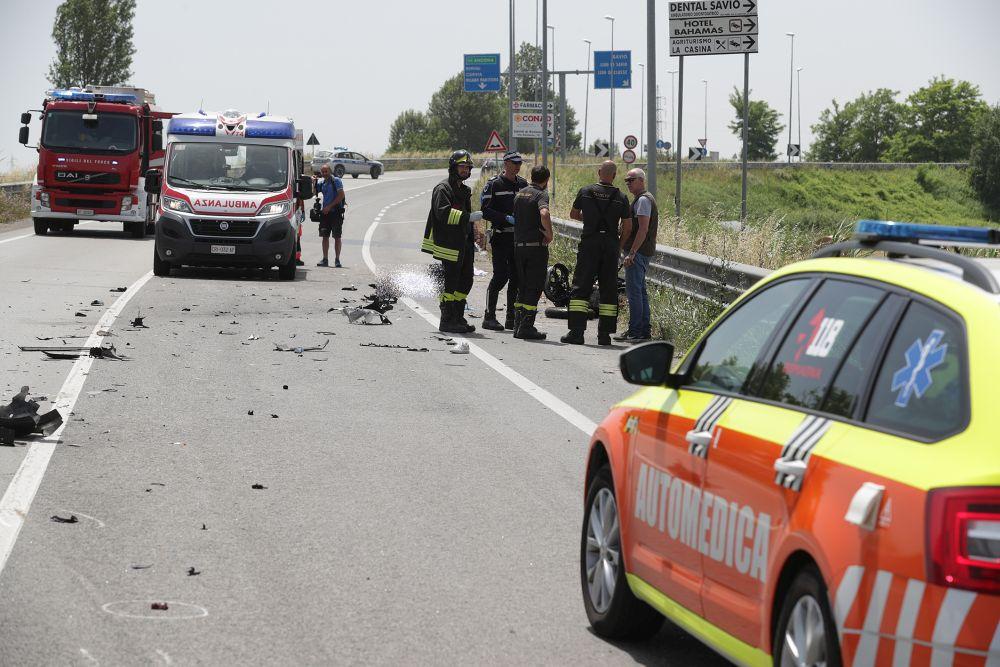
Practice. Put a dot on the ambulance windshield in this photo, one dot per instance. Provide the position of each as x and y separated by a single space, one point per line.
231 166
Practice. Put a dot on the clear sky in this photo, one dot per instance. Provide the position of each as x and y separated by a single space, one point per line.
344 70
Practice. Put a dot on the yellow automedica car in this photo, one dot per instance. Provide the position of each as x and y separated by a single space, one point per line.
818 481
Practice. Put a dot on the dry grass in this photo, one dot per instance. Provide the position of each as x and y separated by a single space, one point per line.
13 207
18 175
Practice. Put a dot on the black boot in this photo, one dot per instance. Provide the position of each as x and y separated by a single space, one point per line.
603 338
518 318
490 316
527 330
459 315
577 325
448 323
510 321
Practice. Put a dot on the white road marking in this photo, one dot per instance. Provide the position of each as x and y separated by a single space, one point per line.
17 500
549 400
18 238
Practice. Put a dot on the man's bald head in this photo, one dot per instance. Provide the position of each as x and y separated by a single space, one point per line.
608 171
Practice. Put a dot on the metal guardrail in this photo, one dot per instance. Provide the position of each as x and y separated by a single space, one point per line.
691 273
687 165
15 188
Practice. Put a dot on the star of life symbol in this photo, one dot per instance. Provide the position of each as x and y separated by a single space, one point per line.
921 358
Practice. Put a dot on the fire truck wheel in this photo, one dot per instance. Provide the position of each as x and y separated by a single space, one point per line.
612 609
41 226
160 267
806 626
137 228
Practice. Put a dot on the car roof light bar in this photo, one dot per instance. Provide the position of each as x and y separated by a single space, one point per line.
880 230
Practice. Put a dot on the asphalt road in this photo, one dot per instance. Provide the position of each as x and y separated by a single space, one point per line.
419 506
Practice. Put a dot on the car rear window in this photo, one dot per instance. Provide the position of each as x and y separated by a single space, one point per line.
817 342
921 388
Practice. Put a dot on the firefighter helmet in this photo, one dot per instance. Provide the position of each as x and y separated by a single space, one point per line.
457 158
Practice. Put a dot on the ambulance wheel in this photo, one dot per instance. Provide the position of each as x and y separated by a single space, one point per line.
375 172
160 267
613 610
338 171
806 633
287 270
41 226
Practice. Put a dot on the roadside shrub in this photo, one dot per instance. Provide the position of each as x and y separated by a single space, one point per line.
984 161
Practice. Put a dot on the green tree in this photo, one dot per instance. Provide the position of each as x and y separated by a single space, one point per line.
984 160
413 131
763 127
858 132
94 43
529 59
937 123
466 119
830 135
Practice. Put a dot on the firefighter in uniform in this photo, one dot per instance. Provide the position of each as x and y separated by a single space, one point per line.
601 208
450 237
532 236
497 203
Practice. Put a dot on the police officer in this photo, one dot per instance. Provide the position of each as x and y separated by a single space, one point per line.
450 237
497 203
532 236
600 207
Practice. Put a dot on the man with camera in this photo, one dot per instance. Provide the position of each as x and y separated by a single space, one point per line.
331 214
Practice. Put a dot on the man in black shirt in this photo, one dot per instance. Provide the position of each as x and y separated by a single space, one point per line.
600 207
532 236
497 204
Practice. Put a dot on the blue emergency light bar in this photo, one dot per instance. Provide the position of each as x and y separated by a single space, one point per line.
875 230
255 129
83 96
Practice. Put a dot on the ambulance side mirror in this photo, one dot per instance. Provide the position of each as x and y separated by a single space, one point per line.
305 187
154 181
649 364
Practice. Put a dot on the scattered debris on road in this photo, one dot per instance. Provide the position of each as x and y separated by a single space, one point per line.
278 347
20 418
141 567
55 518
119 289
159 606
349 288
193 572
461 348
137 322
365 316
257 487
250 412
79 314
64 352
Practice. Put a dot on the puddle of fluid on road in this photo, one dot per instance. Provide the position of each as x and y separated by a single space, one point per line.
142 609
414 281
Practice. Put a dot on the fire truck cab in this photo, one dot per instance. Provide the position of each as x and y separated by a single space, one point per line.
95 146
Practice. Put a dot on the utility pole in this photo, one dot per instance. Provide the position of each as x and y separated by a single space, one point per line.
798 84
791 81
586 103
673 109
654 129
545 85
511 84
611 134
642 104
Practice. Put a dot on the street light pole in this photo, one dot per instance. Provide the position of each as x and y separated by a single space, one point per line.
791 82
511 84
798 72
642 106
586 103
553 29
545 85
611 134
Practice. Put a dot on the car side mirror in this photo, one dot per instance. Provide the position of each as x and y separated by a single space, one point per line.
305 188
649 364
26 118
154 181
22 135
157 140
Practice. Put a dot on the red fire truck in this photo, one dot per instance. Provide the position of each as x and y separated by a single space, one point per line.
95 147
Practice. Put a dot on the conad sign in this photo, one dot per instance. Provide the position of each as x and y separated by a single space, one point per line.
529 125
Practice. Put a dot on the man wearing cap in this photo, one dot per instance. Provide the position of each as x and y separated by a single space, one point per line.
497 204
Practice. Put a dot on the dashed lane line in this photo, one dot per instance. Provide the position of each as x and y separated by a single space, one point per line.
543 396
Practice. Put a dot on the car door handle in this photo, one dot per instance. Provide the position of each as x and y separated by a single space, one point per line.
796 469
700 438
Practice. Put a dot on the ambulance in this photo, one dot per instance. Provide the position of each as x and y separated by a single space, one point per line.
817 482
228 191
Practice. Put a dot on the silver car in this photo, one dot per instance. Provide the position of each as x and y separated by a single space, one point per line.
347 162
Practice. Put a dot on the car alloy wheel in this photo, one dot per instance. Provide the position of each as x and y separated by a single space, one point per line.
805 636
603 554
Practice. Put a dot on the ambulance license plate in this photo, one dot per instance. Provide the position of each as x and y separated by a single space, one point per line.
223 250
85 211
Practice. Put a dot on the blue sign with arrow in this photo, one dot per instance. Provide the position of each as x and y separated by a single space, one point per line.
482 72
612 69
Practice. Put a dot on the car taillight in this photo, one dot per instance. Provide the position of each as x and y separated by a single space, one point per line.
963 538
